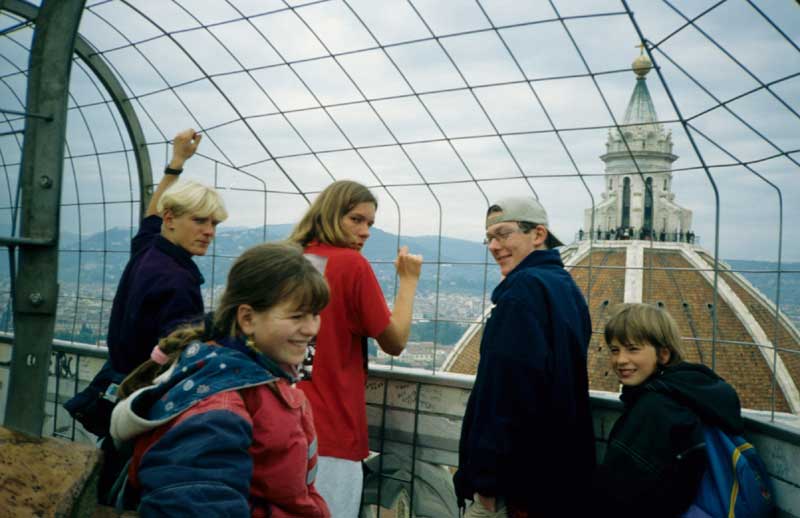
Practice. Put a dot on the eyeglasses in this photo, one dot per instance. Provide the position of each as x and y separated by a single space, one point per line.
501 235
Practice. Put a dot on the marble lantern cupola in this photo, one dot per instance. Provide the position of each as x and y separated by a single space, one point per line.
638 173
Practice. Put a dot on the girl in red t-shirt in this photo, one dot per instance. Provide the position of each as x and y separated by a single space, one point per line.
333 232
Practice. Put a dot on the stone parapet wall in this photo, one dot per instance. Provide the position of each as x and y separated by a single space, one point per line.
46 477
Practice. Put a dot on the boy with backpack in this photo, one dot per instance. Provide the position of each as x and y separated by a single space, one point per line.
664 452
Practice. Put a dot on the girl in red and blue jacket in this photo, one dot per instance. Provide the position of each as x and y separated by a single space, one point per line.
219 428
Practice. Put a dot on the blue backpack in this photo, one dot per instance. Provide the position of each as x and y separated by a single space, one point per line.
736 482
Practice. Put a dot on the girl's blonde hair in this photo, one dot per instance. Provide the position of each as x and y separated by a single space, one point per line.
190 197
262 277
323 219
645 323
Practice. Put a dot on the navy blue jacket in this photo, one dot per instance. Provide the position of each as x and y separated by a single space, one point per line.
158 291
527 431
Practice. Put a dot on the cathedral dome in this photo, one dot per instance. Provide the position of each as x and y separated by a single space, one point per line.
679 277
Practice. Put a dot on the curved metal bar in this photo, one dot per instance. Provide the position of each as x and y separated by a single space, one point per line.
40 177
89 55
701 159
777 328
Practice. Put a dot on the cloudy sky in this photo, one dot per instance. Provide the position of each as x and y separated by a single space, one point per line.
440 105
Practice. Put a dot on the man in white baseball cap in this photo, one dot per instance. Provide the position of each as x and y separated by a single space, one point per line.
531 224
527 444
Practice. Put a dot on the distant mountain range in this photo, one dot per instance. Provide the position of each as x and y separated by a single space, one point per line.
85 257
768 282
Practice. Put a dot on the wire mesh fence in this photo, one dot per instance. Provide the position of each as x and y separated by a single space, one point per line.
440 109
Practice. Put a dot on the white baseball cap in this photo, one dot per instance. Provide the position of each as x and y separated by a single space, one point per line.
522 208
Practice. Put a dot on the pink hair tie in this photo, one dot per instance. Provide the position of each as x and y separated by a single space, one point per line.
158 356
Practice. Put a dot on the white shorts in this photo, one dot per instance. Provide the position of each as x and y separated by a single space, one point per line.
476 509
340 482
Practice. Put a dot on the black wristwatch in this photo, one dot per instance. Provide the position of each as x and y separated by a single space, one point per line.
169 170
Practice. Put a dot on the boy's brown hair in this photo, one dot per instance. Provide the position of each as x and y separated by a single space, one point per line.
645 323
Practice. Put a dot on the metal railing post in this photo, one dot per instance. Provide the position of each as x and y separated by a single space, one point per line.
36 296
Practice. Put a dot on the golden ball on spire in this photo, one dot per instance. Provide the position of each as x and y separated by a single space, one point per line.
642 65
